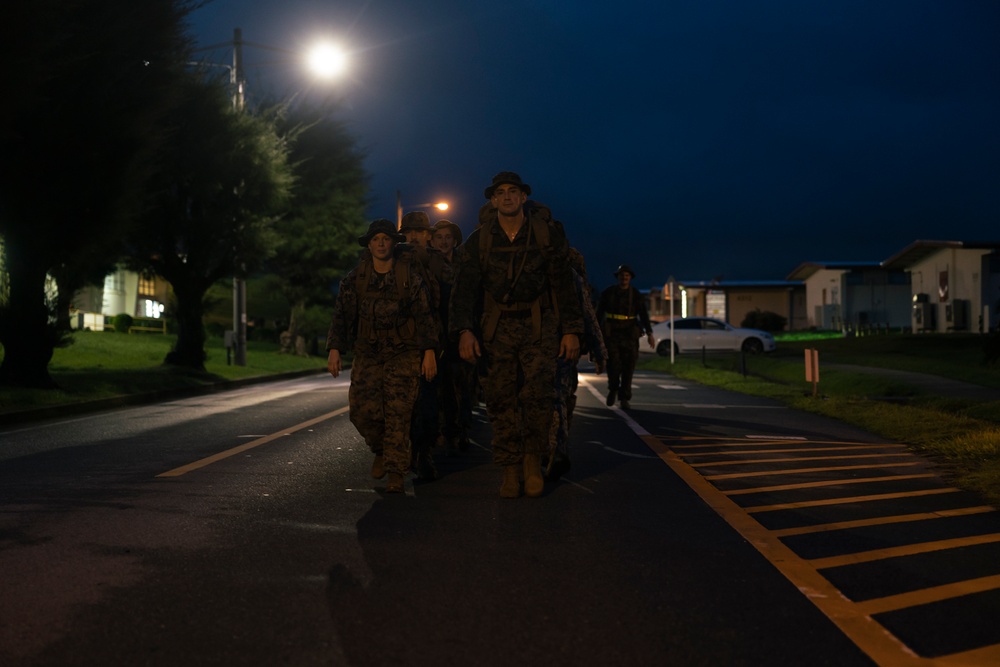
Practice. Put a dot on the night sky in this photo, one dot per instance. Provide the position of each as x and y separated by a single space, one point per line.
703 139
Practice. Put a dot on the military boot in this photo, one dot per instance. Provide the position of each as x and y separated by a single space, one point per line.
378 467
511 487
612 395
395 483
534 484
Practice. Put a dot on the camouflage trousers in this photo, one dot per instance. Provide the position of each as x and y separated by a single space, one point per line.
382 395
520 374
623 352
456 396
567 381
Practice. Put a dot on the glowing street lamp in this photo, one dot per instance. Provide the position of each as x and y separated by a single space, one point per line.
441 206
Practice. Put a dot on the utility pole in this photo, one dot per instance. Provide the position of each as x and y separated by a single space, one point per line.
239 281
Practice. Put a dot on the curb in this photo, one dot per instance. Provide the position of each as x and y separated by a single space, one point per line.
84 407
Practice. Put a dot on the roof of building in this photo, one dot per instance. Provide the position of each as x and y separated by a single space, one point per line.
806 270
921 250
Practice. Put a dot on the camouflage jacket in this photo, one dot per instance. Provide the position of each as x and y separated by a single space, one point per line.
382 320
518 271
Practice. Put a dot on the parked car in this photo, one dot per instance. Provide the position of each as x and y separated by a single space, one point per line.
691 334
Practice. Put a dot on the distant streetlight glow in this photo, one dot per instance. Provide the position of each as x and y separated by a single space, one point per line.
327 61
441 206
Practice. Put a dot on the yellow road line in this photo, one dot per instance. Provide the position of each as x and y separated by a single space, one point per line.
987 655
883 520
851 499
796 459
784 450
738 442
907 550
866 633
830 482
928 595
795 471
177 472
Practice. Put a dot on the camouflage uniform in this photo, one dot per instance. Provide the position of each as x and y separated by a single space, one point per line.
457 378
425 428
519 362
387 356
625 319
567 380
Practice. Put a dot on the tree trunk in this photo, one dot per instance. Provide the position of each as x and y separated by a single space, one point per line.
292 340
189 350
25 332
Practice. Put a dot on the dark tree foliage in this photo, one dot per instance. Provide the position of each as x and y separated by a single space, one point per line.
218 187
86 84
319 232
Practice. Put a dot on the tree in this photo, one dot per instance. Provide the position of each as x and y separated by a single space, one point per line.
88 82
326 215
214 197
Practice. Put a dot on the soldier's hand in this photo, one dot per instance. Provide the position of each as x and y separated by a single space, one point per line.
652 341
429 366
333 363
569 348
468 347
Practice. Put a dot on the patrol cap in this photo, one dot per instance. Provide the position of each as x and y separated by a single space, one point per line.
381 226
506 178
415 220
626 268
456 231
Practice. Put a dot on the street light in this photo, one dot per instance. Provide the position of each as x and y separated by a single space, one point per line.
326 61
441 206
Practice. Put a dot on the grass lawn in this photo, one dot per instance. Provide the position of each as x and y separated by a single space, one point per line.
100 365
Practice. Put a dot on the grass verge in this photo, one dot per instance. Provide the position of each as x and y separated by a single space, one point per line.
105 365
962 436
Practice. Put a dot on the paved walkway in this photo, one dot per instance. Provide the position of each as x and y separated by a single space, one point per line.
932 384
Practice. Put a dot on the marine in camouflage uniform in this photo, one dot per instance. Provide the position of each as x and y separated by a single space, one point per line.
515 269
438 275
623 311
567 374
387 322
457 378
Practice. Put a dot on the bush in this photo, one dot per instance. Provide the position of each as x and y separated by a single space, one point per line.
121 322
764 320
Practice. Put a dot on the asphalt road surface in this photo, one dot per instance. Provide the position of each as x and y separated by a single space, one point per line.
701 528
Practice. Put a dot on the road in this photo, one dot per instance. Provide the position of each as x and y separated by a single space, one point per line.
701 528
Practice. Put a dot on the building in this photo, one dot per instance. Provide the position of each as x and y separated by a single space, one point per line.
955 285
732 300
123 292
852 296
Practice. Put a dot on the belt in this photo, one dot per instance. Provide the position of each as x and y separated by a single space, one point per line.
615 316
515 314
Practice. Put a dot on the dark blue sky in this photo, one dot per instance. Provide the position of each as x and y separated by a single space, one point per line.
699 139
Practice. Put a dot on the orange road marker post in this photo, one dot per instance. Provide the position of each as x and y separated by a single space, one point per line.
812 369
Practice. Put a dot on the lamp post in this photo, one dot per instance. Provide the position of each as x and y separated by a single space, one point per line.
325 61
441 206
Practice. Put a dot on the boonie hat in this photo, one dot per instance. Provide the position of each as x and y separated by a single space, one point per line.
456 231
626 268
415 220
506 178
381 226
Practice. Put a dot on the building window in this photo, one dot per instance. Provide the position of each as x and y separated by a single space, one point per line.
147 286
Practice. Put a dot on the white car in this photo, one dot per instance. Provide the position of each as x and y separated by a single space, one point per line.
692 334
